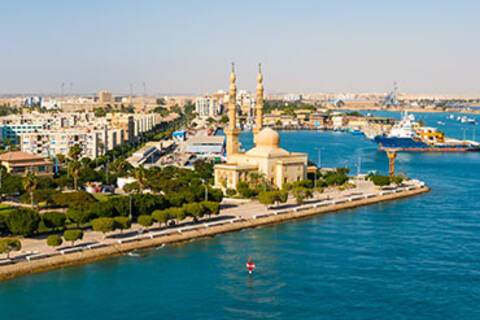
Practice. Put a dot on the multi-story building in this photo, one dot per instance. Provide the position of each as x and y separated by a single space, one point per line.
105 97
49 134
50 143
18 162
207 106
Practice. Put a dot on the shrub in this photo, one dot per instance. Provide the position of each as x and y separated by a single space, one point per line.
54 219
145 220
73 235
54 240
231 192
23 221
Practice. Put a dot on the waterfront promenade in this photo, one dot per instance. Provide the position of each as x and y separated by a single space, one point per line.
37 257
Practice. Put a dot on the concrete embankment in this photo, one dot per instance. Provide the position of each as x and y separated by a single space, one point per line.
87 256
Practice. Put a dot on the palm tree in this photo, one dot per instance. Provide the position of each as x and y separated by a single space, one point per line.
74 168
30 184
140 174
121 167
75 151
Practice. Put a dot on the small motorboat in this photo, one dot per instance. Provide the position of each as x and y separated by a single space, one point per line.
250 265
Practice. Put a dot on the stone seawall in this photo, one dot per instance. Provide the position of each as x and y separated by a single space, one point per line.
83 257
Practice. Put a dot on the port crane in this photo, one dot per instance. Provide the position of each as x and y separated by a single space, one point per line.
391 98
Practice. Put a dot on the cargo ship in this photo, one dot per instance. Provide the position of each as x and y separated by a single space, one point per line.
407 135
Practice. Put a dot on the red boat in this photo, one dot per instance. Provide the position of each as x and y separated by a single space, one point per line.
250 265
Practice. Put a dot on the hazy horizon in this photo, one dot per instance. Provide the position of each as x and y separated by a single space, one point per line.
428 47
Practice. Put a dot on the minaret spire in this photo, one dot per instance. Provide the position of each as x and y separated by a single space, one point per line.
232 131
258 104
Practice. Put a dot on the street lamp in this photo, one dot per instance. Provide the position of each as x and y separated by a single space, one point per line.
206 189
130 205
319 164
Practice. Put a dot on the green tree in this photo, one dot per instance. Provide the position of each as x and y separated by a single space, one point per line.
8 245
145 220
162 216
121 167
282 196
54 219
301 193
75 151
211 207
73 235
245 191
267 198
140 175
23 222
133 187
178 214
99 112
74 168
104 209
122 223
79 200
30 184
380 180
54 240
194 210
12 184
103 225
78 216
204 169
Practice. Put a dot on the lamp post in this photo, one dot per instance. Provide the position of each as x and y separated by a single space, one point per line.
206 189
319 164
130 206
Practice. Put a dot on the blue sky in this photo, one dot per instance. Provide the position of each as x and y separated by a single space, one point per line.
186 46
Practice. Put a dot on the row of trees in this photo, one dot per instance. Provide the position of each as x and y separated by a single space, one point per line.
382 181
257 185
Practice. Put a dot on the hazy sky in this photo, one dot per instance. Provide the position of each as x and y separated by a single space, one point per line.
186 46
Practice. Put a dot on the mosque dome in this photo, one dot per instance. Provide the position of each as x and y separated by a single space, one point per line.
268 138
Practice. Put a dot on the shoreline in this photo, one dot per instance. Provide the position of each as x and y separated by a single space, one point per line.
12 271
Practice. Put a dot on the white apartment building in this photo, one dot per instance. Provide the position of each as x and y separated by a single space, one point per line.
207 106
49 143
51 134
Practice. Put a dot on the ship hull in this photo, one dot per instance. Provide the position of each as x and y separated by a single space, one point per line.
414 145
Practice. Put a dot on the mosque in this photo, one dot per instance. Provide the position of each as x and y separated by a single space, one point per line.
276 165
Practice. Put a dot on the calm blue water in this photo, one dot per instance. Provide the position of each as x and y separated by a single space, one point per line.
410 259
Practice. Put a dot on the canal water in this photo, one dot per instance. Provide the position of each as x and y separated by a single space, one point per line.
410 259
